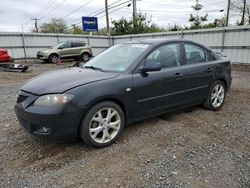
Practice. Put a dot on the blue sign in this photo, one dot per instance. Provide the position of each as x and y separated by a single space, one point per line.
90 24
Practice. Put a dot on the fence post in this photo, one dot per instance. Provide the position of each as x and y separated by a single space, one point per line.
223 39
88 40
110 41
57 38
24 47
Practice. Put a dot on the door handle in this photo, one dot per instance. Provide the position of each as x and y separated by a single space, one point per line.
178 75
209 69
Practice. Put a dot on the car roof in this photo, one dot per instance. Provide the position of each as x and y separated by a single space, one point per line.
153 41
80 41
163 40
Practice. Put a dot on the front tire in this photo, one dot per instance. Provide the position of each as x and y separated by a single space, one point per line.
216 96
102 124
53 58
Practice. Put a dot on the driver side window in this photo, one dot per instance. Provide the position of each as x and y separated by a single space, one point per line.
167 55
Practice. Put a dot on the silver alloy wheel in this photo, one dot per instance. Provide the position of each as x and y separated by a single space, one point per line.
217 96
105 125
85 57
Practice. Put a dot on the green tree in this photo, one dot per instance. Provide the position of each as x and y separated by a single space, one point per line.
54 26
142 25
77 31
221 22
176 27
122 27
237 8
197 20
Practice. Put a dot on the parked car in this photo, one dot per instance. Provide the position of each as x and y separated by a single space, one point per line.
4 56
124 84
66 50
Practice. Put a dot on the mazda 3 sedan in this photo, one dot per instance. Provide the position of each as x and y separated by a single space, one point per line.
126 83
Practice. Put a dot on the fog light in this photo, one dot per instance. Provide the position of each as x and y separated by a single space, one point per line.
43 130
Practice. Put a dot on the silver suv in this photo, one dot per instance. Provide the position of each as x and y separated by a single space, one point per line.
66 50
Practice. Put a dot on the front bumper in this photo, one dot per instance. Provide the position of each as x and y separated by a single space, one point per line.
42 56
49 123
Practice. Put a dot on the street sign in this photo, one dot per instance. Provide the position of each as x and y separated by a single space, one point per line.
89 24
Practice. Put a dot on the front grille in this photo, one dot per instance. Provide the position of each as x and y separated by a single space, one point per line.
21 98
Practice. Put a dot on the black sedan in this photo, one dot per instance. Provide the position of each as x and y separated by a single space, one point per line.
126 83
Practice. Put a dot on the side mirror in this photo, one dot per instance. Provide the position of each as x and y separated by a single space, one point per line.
60 48
151 67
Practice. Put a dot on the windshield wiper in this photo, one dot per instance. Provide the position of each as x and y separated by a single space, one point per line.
94 68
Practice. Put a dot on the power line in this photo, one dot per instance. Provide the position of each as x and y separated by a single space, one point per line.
110 7
172 12
114 11
51 3
53 10
161 11
176 5
42 10
77 9
103 10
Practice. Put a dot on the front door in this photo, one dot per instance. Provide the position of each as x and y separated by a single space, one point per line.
156 92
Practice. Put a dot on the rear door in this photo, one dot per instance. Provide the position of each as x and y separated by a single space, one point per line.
156 92
198 71
77 48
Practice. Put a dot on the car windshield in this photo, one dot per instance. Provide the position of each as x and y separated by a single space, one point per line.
117 58
58 45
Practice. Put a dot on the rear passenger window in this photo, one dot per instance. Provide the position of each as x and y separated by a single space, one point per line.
195 54
168 55
77 44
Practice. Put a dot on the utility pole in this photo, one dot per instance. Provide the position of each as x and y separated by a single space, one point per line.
107 16
228 9
36 20
74 28
244 12
197 11
134 13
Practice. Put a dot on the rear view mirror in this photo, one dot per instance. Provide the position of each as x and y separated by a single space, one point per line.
151 67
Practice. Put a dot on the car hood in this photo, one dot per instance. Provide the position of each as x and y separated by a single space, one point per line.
62 80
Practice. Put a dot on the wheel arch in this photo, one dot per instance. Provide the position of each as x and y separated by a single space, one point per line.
53 53
117 101
85 52
224 82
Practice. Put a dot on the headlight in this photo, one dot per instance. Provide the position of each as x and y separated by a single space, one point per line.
53 99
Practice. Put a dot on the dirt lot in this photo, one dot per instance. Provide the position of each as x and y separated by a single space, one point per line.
195 149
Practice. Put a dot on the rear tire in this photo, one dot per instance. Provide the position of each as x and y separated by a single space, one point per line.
216 96
85 57
102 124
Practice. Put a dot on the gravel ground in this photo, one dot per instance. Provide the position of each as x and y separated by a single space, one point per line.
182 149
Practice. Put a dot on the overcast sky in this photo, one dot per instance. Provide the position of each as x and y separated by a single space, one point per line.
15 13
